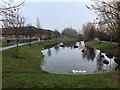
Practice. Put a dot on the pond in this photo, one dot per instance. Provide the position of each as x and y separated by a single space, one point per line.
75 57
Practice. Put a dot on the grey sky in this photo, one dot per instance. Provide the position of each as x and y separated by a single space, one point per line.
58 15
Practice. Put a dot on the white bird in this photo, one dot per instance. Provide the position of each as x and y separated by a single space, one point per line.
79 71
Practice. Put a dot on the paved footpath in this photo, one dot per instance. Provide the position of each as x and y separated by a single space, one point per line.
12 46
109 42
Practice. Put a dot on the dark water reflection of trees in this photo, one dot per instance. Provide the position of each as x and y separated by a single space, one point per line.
100 63
89 53
49 52
69 44
50 46
57 48
118 55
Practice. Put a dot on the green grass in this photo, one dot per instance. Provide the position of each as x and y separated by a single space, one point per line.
104 46
25 72
3 44
37 80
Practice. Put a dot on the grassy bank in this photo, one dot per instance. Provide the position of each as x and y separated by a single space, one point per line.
105 47
25 72
3 44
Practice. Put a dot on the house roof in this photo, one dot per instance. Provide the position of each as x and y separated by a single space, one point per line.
23 31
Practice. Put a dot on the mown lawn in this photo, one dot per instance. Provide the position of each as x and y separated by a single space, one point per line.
25 71
3 44
38 80
105 47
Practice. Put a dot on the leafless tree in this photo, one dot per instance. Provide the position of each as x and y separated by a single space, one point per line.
39 30
89 31
108 16
70 32
57 33
30 32
8 6
11 19
17 22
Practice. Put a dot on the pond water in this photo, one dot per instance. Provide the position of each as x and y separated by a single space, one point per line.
75 57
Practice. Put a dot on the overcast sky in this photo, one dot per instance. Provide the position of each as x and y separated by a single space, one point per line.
59 14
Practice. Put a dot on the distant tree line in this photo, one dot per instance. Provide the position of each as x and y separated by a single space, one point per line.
70 32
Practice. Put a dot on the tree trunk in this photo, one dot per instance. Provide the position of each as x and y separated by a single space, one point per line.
30 40
39 41
17 41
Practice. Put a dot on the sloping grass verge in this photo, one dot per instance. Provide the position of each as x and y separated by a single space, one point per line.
105 47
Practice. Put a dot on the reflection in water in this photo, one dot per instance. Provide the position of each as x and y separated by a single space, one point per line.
50 46
69 44
89 53
80 45
49 52
118 67
57 48
100 63
69 58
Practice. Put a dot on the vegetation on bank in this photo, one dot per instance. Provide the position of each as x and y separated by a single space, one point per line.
25 71
3 44
104 47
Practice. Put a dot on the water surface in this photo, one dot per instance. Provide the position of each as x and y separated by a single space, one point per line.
64 58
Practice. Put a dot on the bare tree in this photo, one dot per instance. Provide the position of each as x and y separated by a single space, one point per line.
7 6
89 31
17 23
38 23
57 33
70 32
30 32
108 16
39 30
12 20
